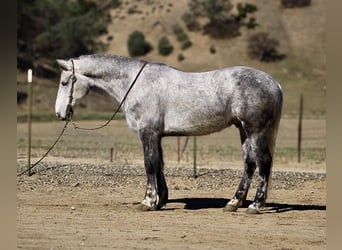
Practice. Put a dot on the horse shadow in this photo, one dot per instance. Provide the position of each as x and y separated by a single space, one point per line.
273 207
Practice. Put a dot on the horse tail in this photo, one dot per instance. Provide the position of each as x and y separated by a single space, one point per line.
272 140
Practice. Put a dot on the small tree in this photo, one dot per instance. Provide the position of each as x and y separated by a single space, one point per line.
137 45
182 37
164 46
222 22
263 48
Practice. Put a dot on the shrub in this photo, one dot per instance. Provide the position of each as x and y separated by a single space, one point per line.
295 3
263 48
115 3
137 45
212 49
191 22
245 9
164 46
182 37
180 57
251 24
227 28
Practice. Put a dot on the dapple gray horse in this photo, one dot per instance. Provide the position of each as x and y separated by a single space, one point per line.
165 101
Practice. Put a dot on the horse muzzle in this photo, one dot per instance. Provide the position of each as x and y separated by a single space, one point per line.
68 114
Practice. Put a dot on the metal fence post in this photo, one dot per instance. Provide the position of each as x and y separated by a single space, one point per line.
29 92
195 157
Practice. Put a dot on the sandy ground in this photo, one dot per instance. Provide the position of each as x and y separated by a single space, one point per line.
95 208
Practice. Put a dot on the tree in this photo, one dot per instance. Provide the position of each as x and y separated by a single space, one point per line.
222 23
137 45
49 29
263 48
164 46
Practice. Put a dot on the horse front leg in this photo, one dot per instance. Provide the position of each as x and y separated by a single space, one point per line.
156 189
161 183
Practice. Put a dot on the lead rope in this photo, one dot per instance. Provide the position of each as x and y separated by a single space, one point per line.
47 152
69 110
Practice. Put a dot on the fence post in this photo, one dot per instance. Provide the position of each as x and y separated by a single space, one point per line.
195 157
178 149
111 154
299 145
29 92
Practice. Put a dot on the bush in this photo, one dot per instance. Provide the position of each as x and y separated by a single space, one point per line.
182 37
115 4
263 48
227 28
180 57
191 22
295 3
212 49
137 45
164 46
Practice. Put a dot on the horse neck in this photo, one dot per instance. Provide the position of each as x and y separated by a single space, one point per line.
117 80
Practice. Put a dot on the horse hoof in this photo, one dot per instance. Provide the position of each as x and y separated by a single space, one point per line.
160 206
144 208
252 209
230 208
233 205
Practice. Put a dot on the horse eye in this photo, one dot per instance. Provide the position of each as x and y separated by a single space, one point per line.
64 83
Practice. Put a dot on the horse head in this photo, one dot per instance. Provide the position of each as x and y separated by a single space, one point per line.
73 85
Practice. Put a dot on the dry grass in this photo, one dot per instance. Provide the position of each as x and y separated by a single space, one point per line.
216 150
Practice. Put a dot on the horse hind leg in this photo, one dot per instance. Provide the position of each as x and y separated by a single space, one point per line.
263 160
249 169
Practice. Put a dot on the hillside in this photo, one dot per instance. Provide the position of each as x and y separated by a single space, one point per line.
301 33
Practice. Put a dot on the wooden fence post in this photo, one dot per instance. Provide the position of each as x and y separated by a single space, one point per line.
299 145
111 154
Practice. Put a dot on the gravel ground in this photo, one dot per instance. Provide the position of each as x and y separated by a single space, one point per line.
112 175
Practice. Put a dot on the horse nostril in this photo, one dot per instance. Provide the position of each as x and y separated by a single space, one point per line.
58 115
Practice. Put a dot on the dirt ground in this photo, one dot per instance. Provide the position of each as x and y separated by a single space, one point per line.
69 210
83 201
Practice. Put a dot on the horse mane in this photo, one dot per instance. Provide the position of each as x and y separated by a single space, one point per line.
103 64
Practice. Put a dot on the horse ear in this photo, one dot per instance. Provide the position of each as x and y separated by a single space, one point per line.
65 65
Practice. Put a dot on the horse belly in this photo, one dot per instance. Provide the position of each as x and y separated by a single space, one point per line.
195 122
